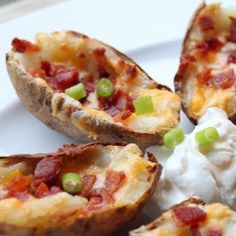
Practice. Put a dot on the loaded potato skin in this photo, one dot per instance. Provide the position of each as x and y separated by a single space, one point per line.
206 74
37 198
89 90
191 218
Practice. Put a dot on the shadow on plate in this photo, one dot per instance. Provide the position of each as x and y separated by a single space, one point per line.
23 133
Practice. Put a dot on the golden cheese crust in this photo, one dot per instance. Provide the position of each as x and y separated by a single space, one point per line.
86 122
65 214
206 75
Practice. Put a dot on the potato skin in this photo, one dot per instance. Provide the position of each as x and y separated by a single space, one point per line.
100 223
37 99
178 79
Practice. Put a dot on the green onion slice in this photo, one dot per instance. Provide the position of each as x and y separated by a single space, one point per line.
143 105
104 88
173 137
71 182
77 91
207 136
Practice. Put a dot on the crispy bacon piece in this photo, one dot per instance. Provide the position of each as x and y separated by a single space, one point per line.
222 80
22 45
48 168
210 45
185 61
188 216
232 57
232 32
99 199
195 232
114 180
206 23
130 70
20 184
58 76
214 232
120 101
42 190
100 57
87 182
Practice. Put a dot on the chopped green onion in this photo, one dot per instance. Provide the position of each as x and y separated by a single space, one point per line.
104 88
207 136
173 137
77 91
71 182
143 105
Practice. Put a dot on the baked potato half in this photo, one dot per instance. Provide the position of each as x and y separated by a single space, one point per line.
206 74
88 90
89 189
192 218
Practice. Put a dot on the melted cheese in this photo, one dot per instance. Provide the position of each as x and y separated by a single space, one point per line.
64 47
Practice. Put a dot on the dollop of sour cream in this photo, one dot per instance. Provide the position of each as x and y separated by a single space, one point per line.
205 172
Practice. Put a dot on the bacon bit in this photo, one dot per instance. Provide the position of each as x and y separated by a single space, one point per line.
58 76
87 182
203 77
232 57
100 199
185 61
222 80
120 101
211 44
232 32
21 45
114 180
20 184
89 83
48 168
151 157
195 232
129 69
190 216
100 57
214 232
42 190
206 23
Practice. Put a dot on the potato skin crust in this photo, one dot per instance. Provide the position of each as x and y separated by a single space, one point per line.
178 79
37 99
100 223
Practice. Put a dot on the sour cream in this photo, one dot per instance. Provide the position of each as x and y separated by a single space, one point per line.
208 173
